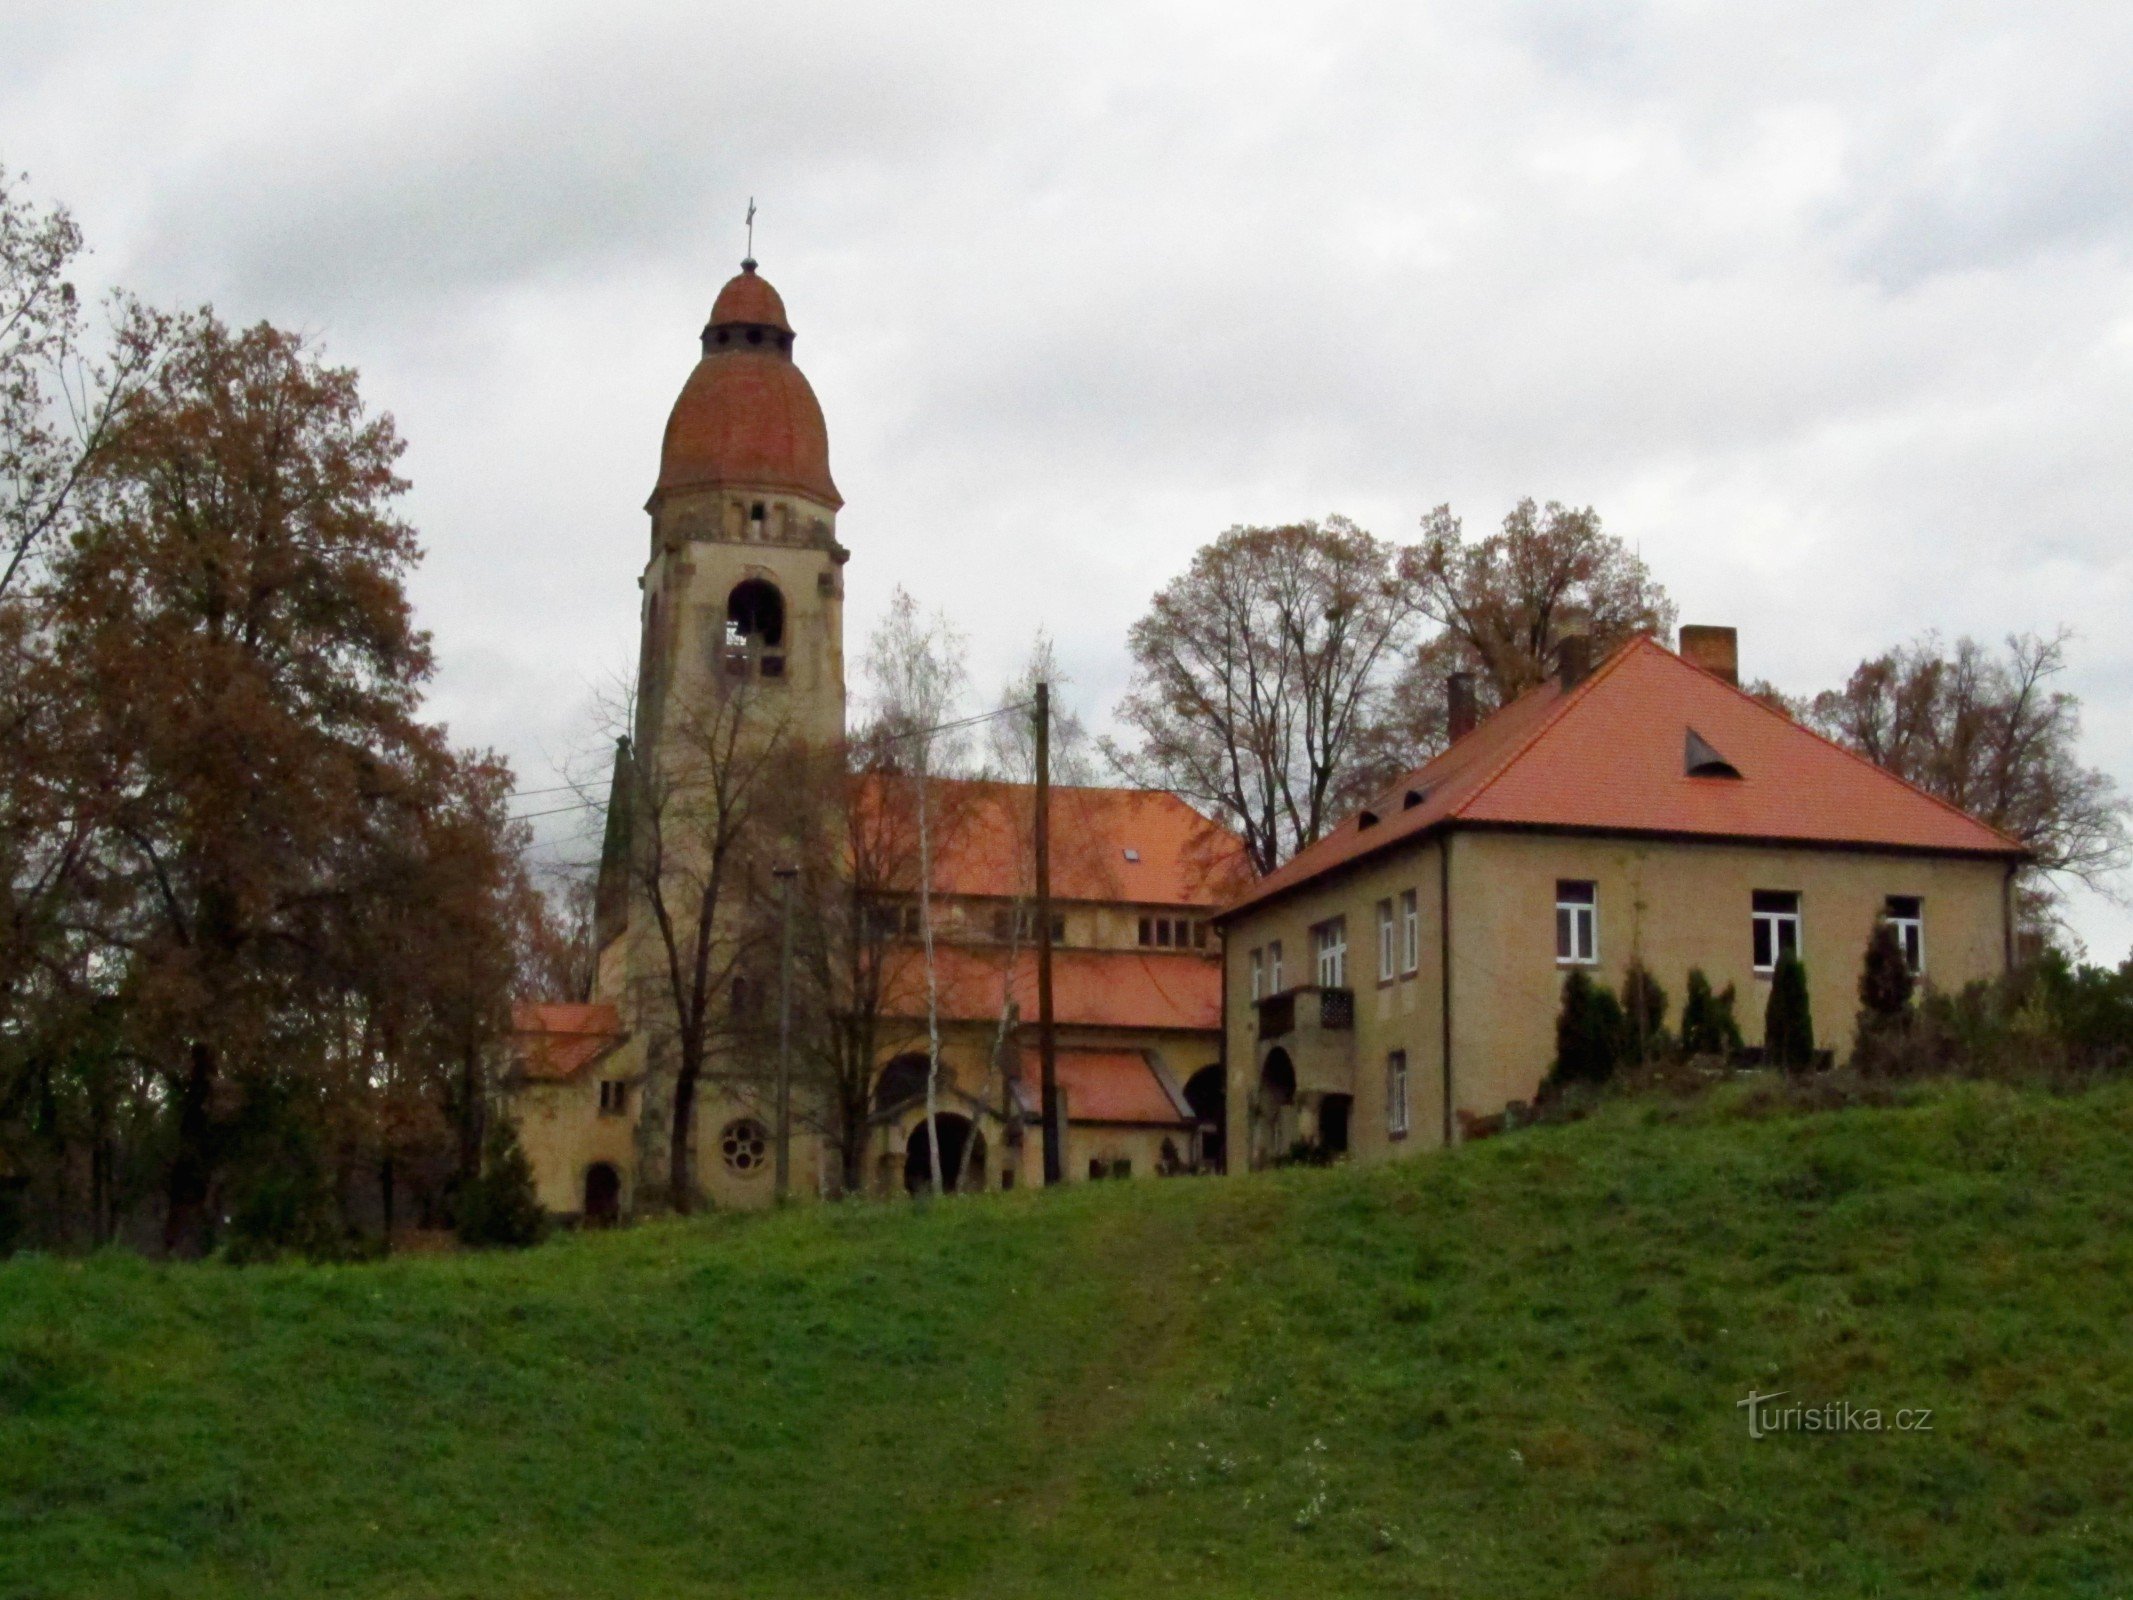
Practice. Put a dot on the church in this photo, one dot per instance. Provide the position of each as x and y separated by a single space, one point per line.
742 618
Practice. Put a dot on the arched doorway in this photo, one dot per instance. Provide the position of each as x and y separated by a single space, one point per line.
1207 1092
1274 1129
603 1195
956 1133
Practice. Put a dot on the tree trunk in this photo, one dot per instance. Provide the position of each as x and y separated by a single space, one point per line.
473 1106
681 1181
192 1170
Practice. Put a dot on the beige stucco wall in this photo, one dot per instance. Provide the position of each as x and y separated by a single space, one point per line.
1675 905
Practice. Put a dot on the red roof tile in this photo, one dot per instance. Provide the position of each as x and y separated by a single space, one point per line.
747 417
1132 846
1090 988
1608 756
747 299
1103 1086
552 1042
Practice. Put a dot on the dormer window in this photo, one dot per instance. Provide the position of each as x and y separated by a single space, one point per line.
1700 760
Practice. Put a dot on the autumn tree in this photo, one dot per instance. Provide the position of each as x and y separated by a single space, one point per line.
1993 734
262 812
1259 674
1502 606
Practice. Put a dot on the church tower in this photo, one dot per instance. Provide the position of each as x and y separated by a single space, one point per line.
745 577
742 618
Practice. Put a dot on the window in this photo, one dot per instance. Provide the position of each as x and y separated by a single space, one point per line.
1273 967
1258 973
1173 933
1396 1094
1410 932
1776 919
1019 925
895 919
1385 941
614 1097
744 1144
1906 913
1330 940
1577 923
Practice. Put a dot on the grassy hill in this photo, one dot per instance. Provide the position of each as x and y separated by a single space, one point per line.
1511 1371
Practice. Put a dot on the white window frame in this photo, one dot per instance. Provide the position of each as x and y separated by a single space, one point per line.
1385 941
1410 932
1329 944
1910 930
1583 924
1273 966
1396 1123
1777 922
1258 974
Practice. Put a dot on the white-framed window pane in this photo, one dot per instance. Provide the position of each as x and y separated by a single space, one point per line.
1410 932
1577 921
1775 915
1396 1092
1332 943
1273 967
1258 973
1906 913
1385 935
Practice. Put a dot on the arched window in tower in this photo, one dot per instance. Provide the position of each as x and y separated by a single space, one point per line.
755 630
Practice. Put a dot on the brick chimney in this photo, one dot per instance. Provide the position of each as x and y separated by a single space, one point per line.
1573 659
1716 650
1460 713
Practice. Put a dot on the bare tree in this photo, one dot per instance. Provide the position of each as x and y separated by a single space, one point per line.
917 667
702 800
1502 606
1989 733
1258 673
57 403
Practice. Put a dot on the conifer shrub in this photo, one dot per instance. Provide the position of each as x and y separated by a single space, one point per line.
1644 1003
1708 1025
1788 1023
498 1209
1886 985
1589 1033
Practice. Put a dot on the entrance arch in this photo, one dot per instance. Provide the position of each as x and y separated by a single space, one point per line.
956 1132
603 1195
1207 1092
1274 1126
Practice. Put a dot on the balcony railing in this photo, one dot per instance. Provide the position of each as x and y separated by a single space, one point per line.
1330 1010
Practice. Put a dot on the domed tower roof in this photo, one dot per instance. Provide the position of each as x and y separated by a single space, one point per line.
747 417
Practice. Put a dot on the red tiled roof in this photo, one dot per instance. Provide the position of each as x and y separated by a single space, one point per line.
747 417
747 298
984 832
552 1042
1608 756
1090 988
1103 1086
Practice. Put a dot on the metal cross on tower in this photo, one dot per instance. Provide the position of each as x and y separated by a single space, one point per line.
751 228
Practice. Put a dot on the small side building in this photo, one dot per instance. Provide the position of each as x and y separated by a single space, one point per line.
1402 976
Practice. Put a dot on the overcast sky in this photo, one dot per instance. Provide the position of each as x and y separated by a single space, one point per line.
1828 308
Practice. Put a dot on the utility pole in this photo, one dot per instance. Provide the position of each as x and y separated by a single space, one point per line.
1047 1049
785 876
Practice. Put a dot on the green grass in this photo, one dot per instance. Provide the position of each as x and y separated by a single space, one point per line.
1511 1371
